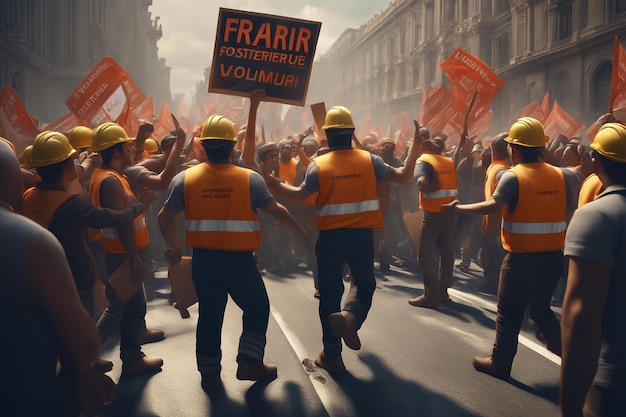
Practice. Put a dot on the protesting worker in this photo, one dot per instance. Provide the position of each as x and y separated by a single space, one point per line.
348 210
535 199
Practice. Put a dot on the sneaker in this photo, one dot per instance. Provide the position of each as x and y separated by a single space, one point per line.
331 364
141 366
210 381
251 371
343 324
496 369
151 336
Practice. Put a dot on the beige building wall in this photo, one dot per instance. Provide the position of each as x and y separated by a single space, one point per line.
563 47
47 48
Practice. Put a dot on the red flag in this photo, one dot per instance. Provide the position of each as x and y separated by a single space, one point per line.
16 124
535 110
401 120
209 106
105 94
560 122
469 75
64 124
545 104
164 124
618 78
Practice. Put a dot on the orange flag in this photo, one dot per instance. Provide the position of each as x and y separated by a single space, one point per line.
16 125
164 123
64 124
107 93
560 122
618 78
545 104
535 110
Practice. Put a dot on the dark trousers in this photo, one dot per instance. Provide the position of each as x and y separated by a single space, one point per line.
492 256
436 251
527 280
216 275
335 249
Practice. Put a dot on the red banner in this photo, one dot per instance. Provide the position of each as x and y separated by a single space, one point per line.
64 124
16 125
535 110
469 75
164 124
618 78
107 93
560 122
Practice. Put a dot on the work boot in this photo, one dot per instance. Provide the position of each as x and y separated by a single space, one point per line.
426 301
501 370
343 324
151 336
331 364
210 381
444 297
253 371
141 366
551 335
102 365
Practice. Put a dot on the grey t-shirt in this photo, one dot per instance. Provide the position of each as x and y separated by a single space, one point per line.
382 171
260 197
507 189
597 232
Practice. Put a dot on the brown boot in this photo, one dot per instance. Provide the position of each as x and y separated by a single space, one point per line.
151 336
343 325
141 366
425 301
332 365
210 381
251 371
496 369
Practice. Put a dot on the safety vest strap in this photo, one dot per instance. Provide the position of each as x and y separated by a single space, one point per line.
348 208
440 194
243 226
534 228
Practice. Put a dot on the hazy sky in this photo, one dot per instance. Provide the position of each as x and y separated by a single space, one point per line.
189 28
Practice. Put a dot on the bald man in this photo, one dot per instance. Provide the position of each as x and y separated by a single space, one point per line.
43 317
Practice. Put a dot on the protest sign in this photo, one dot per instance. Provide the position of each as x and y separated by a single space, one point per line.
259 51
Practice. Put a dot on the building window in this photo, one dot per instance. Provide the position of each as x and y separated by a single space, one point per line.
564 23
416 76
416 35
501 6
430 20
464 9
501 50
601 88
617 10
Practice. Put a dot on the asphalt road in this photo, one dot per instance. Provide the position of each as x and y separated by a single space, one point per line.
414 362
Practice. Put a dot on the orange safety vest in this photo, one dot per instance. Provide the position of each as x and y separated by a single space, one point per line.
444 168
347 196
492 222
590 189
41 205
538 222
109 235
219 210
287 171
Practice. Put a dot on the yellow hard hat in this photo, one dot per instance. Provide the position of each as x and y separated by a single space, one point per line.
338 117
51 148
27 154
151 146
219 128
80 137
610 142
528 132
107 135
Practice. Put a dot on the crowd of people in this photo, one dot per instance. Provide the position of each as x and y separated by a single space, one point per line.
102 207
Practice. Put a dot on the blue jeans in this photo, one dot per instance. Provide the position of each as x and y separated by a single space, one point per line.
335 249
216 275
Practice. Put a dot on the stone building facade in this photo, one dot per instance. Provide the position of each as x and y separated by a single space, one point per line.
48 46
564 47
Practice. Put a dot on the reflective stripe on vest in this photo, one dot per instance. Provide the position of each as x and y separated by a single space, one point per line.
111 233
348 208
534 228
226 223
440 194
241 226
444 169
347 197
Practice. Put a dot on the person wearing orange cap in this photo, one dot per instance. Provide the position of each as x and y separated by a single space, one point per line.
593 370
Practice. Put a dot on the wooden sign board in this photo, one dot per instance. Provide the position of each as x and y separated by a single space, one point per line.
260 51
